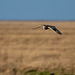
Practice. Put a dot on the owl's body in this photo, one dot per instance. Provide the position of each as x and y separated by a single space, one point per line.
45 27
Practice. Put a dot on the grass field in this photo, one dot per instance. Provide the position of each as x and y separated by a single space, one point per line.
23 49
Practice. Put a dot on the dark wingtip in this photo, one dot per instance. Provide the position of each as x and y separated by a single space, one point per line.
60 33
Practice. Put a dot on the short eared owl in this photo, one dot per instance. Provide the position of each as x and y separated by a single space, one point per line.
45 27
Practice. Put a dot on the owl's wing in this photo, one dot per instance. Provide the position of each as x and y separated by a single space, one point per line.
37 27
55 29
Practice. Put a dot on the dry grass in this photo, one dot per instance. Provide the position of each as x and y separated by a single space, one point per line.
22 48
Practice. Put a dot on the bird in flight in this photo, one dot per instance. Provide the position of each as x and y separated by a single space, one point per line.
46 27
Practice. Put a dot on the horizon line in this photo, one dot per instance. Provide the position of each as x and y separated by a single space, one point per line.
37 20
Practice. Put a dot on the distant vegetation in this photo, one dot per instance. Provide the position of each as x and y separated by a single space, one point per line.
34 72
36 52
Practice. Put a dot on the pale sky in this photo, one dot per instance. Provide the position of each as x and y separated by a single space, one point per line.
37 9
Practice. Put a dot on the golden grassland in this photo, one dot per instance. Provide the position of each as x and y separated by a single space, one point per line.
22 48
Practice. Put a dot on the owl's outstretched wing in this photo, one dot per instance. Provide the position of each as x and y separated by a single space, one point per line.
37 27
55 29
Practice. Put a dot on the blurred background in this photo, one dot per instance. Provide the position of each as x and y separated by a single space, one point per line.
23 49
37 9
